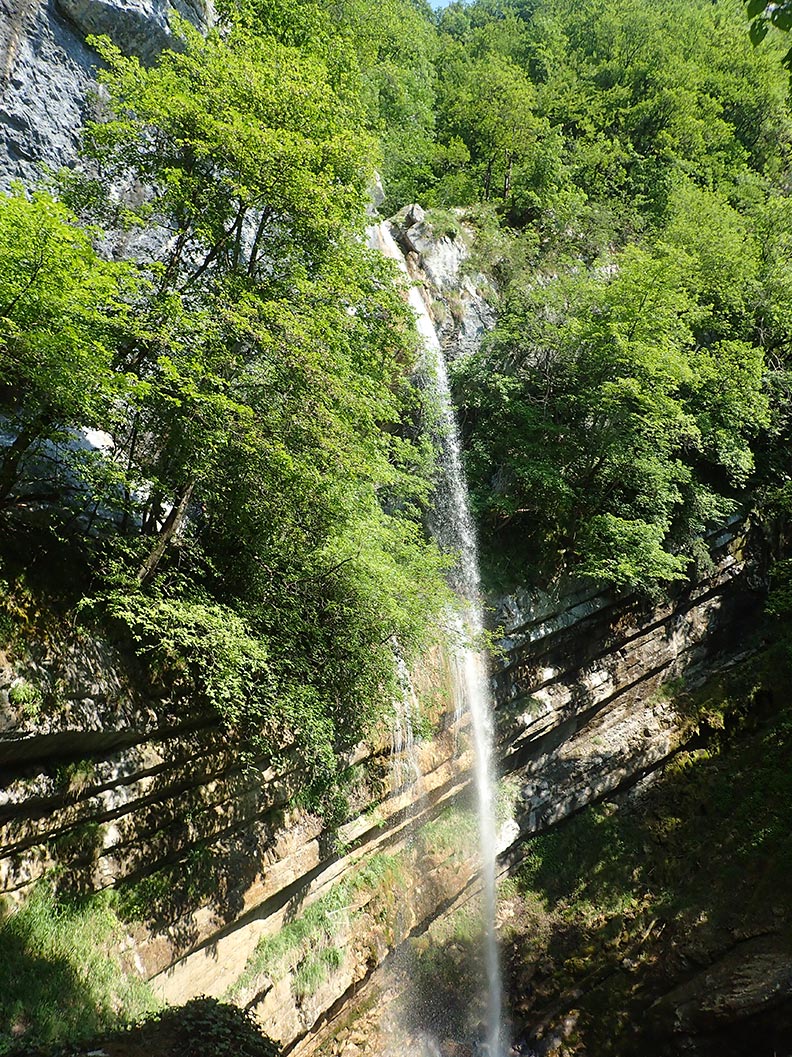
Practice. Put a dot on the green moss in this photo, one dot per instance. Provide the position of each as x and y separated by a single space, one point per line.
452 832
704 850
315 968
305 946
164 893
74 777
82 843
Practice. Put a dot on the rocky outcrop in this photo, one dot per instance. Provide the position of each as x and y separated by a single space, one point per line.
139 27
657 922
47 71
106 787
459 298
588 693
740 1002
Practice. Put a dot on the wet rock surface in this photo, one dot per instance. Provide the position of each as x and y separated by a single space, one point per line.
660 920
459 298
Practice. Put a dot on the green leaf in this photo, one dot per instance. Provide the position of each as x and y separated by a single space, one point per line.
758 31
755 7
781 17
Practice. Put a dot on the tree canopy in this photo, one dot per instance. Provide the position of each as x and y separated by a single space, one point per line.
223 423
257 531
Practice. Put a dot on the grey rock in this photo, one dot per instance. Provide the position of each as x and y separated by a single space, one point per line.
463 311
48 72
414 215
376 193
139 27
754 977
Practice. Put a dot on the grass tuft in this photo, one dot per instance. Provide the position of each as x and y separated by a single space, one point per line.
59 981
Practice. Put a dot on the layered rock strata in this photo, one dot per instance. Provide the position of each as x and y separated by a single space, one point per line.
106 787
588 695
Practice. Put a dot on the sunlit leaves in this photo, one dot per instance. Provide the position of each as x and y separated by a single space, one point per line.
251 154
604 434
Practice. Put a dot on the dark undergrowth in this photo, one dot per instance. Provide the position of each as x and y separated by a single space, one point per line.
203 1027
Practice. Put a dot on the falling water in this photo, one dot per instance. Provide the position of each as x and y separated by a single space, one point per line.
405 768
456 532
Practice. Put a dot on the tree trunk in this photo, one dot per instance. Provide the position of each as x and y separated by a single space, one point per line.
9 470
173 522
507 179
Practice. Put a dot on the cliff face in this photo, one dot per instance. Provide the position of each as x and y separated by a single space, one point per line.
116 790
113 789
587 694
47 71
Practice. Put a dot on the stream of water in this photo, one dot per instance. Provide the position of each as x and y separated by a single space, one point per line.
456 532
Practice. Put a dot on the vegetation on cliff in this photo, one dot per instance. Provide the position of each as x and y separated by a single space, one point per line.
210 440
251 510
636 379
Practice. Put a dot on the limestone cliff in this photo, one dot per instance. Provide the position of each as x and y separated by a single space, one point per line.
47 71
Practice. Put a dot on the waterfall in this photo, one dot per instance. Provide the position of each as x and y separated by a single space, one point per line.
456 532
405 769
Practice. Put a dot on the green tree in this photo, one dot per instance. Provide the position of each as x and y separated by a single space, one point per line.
253 160
63 311
765 16
488 104
268 559
602 436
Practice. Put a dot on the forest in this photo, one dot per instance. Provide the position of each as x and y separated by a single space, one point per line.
217 432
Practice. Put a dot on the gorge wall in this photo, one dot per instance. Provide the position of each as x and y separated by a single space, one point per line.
112 789
106 788
587 695
47 70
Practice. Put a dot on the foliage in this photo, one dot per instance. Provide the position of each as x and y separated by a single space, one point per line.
305 945
765 16
252 521
205 648
60 980
622 407
160 896
26 697
608 424
251 516
205 1027
300 940
61 312
779 602
246 147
